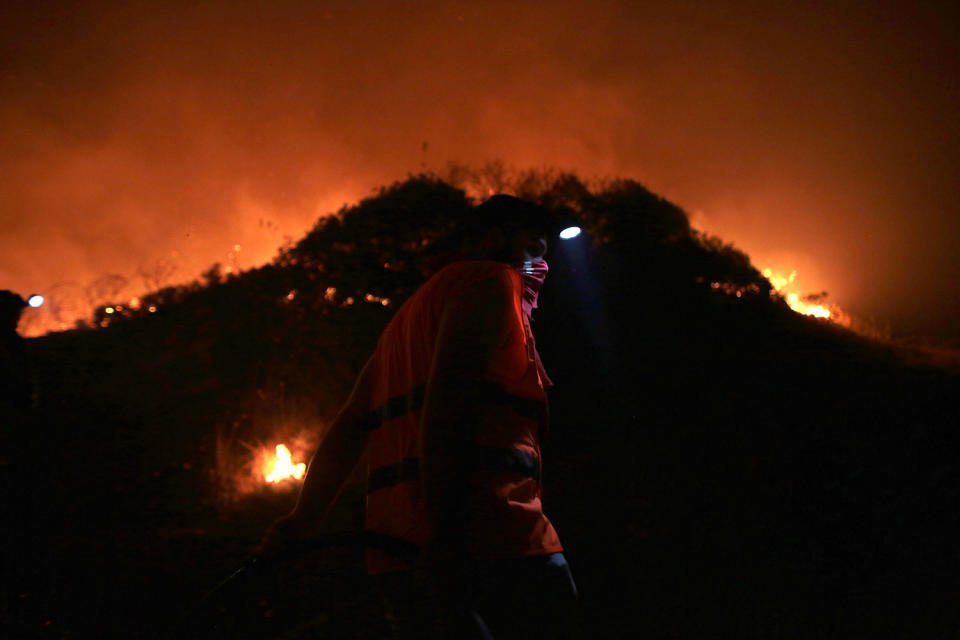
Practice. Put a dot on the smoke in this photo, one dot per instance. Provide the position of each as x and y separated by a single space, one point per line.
820 136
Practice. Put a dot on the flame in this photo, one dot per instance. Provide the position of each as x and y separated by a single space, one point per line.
282 467
782 284
800 306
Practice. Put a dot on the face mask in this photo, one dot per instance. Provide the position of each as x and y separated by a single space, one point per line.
533 273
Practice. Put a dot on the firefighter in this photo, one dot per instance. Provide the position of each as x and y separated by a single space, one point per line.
450 409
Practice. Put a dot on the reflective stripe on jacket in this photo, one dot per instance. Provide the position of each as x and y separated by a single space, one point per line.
506 516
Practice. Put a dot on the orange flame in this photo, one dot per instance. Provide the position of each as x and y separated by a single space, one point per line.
282 467
782 283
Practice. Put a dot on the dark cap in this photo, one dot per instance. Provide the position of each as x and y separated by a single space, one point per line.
11 305
10 299
503 209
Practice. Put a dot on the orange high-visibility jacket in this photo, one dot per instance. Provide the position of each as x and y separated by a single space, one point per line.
507 519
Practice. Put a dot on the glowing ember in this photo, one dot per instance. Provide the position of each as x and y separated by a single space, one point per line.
375 299
282 466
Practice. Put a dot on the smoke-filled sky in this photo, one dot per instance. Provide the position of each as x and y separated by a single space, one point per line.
817 136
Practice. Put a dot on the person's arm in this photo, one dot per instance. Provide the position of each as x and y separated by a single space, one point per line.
471 329
330 467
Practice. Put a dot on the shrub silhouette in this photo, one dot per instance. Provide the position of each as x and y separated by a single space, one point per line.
756 472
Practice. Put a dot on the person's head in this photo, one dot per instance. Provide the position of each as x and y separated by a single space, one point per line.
11 308
508 229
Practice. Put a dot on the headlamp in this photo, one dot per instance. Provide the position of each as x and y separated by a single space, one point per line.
570 233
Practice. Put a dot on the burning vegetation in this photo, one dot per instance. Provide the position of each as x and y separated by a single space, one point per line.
391 253
808 305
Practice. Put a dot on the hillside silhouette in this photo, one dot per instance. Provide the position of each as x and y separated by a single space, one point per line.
717 465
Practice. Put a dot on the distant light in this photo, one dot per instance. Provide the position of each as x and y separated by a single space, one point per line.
570 232
109 309
35 301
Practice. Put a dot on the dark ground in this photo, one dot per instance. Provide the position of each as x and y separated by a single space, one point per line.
803 491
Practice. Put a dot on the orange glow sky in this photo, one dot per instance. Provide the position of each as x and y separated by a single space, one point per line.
819 136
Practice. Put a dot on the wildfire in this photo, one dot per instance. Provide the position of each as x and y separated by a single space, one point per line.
782 285
282 466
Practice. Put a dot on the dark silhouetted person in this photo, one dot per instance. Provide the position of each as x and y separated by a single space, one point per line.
16 389
451 408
